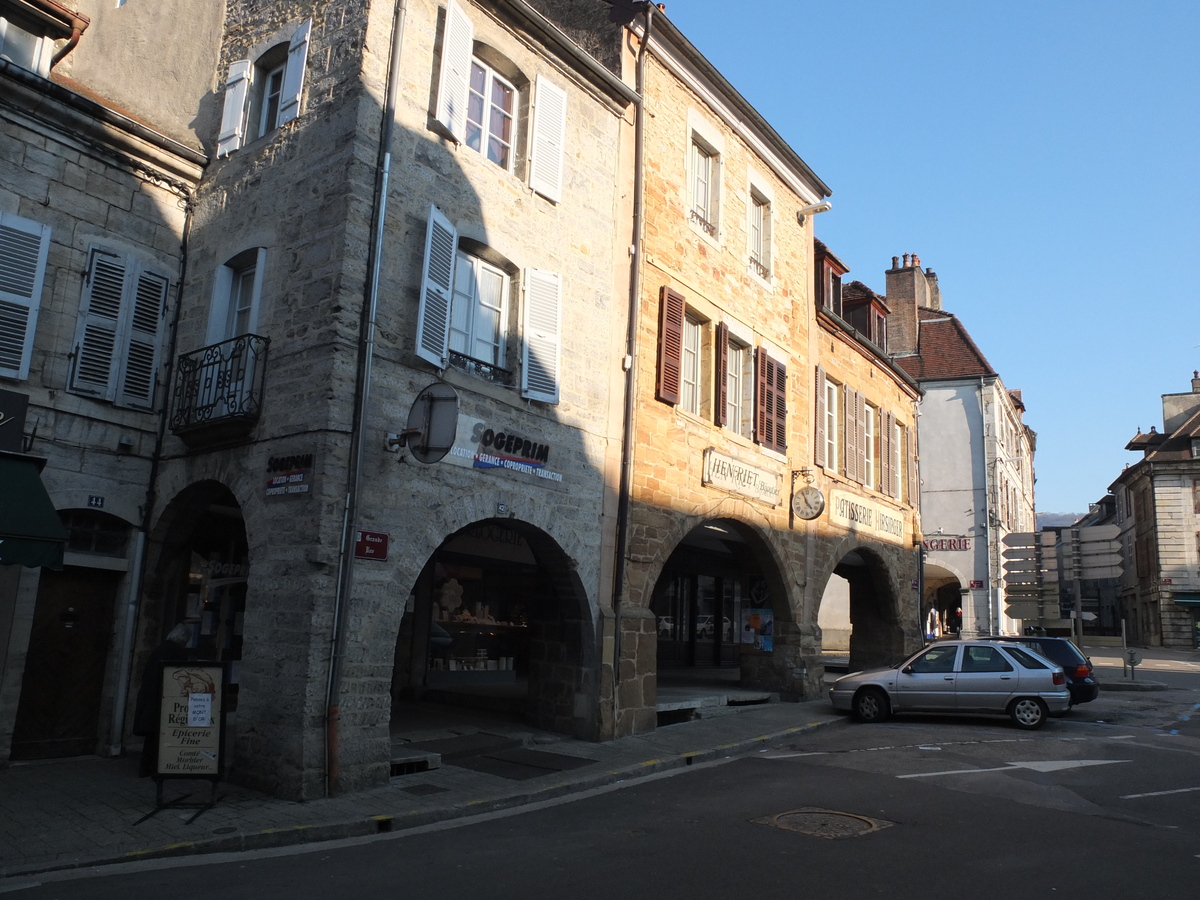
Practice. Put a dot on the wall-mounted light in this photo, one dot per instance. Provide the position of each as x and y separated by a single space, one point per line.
812 210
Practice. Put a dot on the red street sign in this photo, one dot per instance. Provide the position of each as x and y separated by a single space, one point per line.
976 584
371 545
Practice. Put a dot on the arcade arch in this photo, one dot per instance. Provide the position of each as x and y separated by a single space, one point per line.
501 621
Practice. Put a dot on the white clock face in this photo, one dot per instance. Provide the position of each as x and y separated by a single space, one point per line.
808 503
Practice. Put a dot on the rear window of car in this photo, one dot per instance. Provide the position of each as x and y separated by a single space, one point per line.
1062 652
1028 660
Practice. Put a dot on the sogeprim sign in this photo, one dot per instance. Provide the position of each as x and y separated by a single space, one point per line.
483 445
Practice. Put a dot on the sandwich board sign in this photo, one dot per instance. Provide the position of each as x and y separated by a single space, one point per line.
192 721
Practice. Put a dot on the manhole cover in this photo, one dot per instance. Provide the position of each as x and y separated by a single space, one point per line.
225 829
824 823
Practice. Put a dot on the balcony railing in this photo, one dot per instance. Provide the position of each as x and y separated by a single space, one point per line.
699 218
759 268
486 371
219 389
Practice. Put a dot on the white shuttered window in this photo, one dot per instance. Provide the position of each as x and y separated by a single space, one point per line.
117 339
24 246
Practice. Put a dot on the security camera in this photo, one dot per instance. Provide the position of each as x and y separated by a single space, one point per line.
823 206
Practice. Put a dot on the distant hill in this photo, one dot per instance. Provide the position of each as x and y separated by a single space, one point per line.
1054 520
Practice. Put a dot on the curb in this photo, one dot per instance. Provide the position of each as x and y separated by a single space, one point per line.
1133 686
386 823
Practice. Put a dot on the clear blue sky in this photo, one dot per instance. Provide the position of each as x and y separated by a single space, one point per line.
1041 157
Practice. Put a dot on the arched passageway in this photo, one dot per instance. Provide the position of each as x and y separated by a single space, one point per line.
716 604
499 621
860 607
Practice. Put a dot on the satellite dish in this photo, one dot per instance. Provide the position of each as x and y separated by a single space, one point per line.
432 423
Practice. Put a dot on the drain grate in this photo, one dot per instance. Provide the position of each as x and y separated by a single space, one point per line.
424 790
824 823
409 766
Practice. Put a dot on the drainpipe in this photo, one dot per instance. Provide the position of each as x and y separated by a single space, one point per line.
366 361
631 343
137 574
988 480
79 24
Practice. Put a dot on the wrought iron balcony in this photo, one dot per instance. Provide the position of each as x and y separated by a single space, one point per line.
219 390
485 370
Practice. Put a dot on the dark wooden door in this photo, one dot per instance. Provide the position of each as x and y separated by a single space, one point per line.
59 712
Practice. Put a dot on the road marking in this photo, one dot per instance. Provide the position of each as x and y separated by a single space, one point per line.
1049 765
1160 793
793 755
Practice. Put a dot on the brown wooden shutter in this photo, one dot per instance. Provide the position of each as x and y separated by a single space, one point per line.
850 444
914 479
721 414
670 345
860 427
770 402
780 407
819 420
885 452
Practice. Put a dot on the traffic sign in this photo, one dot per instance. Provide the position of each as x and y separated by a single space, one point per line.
1030 553
1091 533
1029 539
1021 610
1098 572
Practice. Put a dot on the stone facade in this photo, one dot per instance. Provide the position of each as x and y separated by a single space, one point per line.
1158 512
705 256
104 186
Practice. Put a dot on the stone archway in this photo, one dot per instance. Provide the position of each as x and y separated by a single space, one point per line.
501 621
862 593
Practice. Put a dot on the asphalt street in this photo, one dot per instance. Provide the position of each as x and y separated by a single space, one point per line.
1103 804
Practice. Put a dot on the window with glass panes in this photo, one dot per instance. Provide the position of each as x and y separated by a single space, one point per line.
739 415
689 386
477 312
760 236
832 392
869 447
491 108
704 206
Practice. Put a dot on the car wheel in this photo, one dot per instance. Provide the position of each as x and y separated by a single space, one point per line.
871 705
1028 712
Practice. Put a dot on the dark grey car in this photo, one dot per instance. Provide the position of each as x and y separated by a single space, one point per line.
968 677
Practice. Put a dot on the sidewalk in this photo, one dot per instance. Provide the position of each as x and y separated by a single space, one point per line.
62 814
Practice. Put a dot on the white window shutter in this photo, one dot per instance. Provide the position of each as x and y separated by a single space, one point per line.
24 246
548 142
437 289
542 356
233 115
455 79
139 374
98 333
293 74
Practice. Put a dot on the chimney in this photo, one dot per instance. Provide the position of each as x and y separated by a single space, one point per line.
935 291
1195 382
907 289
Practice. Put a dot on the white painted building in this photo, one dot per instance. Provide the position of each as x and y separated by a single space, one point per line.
976 457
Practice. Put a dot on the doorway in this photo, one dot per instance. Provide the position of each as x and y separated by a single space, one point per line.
59 711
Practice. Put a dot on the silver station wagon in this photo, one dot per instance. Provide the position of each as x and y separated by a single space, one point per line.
968 677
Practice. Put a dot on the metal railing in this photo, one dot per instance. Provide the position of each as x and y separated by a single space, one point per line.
221 384
486 371
709 227
759 269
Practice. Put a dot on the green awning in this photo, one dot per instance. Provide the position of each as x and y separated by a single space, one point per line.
1186 599
31 533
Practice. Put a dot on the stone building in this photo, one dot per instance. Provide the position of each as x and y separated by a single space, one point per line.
976 460
729 350
93 209
341 359
1158 512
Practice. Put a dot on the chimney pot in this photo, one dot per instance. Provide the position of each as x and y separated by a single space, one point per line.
1195 382
906 258
895 262
916 261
